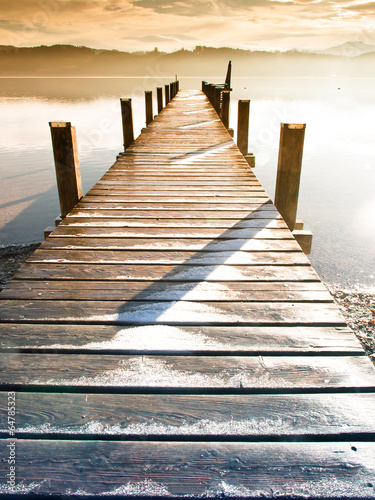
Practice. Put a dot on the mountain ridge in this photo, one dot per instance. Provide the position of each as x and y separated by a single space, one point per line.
71 60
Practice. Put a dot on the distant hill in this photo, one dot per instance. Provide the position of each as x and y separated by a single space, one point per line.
349 49
68 60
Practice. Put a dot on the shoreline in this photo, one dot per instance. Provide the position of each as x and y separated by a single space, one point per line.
357 307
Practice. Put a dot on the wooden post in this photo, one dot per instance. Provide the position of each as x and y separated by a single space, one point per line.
177 85
204 86
171 90
148 99
166 88
68 175
228 77
225 108
159 92
218 100
289 171
243 125
127 121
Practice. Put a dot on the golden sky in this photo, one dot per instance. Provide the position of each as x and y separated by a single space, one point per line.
133 25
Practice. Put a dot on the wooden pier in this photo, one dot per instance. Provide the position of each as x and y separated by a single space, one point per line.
170 339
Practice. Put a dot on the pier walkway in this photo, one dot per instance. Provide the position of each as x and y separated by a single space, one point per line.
171 339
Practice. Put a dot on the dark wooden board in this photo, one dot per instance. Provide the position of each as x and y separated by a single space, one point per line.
174 214
159 257
148 290
174 312
252 416
174 223
149 272
182 339
259 374
199 470
180 244
173 232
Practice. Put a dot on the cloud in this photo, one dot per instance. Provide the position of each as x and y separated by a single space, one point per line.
173 24
363 8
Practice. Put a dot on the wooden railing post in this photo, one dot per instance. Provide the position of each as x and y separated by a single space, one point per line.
68 174
217 105
289 171
166 88
243 126
171 91
148 99
177 85
225 108
159 92
127 122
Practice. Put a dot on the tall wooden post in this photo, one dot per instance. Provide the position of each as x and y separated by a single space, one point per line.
225 108
243 126
148 99
127 121
289 171
217 105
177 85
68 175
204 87
228 77
166 88
159 92
171 91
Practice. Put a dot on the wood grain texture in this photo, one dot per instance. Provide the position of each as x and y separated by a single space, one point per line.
238 339
245 417
208 470
188 373
174 312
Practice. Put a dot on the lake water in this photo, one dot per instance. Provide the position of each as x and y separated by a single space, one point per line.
337 195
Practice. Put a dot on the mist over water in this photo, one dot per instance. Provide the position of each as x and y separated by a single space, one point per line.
337 196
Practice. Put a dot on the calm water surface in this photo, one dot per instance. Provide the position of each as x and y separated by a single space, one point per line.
337 196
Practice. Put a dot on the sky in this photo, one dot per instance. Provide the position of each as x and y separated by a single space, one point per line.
133 25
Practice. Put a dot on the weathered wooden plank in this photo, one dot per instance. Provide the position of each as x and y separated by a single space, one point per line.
187 223
173 232
174 312
149 272
218 200
198 470
245 417
171 214
181 244
168 257
117 290
188 373
188 339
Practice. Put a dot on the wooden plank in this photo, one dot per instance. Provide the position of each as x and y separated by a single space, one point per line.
168 257
180 244
245 417
148 290
189 200
199 470
181 339
210 207
259 374
173 232
171 214
174 312
201 223
149 272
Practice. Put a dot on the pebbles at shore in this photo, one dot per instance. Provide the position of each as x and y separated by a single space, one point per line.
358 307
